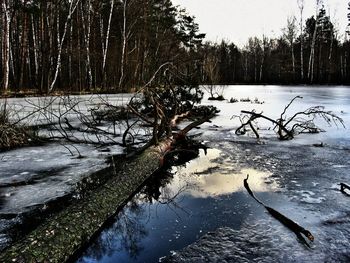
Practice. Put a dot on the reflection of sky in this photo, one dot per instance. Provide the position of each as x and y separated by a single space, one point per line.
203 177
205 194
217 184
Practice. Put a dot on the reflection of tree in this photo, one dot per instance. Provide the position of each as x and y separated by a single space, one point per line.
152 190
157 192
125 234
132 232
129 229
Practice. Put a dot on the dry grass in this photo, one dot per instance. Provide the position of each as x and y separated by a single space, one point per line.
11 136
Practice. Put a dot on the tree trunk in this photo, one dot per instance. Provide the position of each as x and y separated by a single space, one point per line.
341 67
72 7
293 60
70 55
87 34
330 58
35 51
313 44
301 8
6 50
312 55
124 43
23 52
105 44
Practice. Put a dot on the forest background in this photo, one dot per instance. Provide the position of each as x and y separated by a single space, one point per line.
65 46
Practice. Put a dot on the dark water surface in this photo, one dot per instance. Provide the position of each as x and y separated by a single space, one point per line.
201 212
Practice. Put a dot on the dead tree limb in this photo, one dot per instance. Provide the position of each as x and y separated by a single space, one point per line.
287 128
254 116
344 187
293 226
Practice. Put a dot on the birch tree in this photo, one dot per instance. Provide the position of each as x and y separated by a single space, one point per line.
7 16
301 5
35 49
124 42
105 39
73 4
86 16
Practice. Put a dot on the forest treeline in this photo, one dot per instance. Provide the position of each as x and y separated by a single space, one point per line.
309 52
85 45
120 45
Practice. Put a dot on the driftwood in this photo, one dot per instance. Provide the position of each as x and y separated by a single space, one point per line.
344 187
287 128
293 226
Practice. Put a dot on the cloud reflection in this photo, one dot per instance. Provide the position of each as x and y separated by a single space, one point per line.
213 175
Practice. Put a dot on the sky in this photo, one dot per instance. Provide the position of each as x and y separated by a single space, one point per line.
237 20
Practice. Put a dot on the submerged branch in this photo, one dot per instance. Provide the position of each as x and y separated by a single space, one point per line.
343 187
293 226
287 128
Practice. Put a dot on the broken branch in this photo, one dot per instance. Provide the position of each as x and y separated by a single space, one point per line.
293 226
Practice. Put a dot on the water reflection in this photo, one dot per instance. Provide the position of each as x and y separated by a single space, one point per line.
216 184
205 178
124 236
175 208
125 239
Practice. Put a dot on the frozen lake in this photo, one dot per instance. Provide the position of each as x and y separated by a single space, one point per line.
202 213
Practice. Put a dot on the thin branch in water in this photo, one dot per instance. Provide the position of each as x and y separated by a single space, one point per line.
293 226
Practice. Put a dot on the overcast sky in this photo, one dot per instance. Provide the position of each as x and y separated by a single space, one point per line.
237 20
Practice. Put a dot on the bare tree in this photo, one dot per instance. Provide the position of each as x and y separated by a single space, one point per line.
72 7
35 50
313 44
212 72
124 42
265 47
86 16
290 33
105 40
7 14
301 9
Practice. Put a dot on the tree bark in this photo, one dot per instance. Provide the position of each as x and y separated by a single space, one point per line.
6 50
124 42
313 44
87 34
35 51
23 51
73 5
301 8
106 41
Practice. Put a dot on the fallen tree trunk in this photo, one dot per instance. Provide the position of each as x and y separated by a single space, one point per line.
62 236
